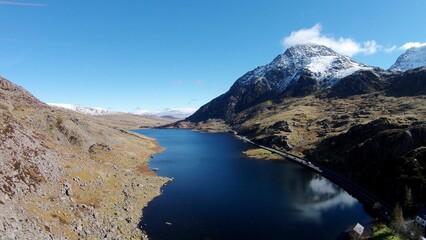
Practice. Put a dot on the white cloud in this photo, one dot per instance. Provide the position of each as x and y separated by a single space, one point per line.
411 45
346 46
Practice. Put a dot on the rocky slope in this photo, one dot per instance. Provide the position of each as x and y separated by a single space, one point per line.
67 175
301 103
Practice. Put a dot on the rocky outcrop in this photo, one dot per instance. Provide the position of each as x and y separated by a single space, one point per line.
283 126
277 142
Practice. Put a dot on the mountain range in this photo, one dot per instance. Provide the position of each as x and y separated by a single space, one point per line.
308 100
167 113
84 110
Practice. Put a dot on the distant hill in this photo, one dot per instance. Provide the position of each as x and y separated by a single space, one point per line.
170 117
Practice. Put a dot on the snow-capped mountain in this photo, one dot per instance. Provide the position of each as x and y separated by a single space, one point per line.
413 58
179 113
301 70
84 110
323 64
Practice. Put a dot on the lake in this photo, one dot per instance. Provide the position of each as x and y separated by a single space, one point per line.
218 193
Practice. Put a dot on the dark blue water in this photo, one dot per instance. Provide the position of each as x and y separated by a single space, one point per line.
218 193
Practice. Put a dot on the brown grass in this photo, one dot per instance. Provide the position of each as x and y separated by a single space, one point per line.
313 119
143 169
61 219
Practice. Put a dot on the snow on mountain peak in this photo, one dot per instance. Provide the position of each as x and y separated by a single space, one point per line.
324 64
84 110
309 51
179 113
412 58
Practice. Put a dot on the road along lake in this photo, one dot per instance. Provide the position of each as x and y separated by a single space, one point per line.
218 193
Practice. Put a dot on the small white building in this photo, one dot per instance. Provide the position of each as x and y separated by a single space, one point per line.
421 217
355 232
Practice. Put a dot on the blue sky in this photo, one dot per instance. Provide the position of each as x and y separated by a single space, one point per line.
139 55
